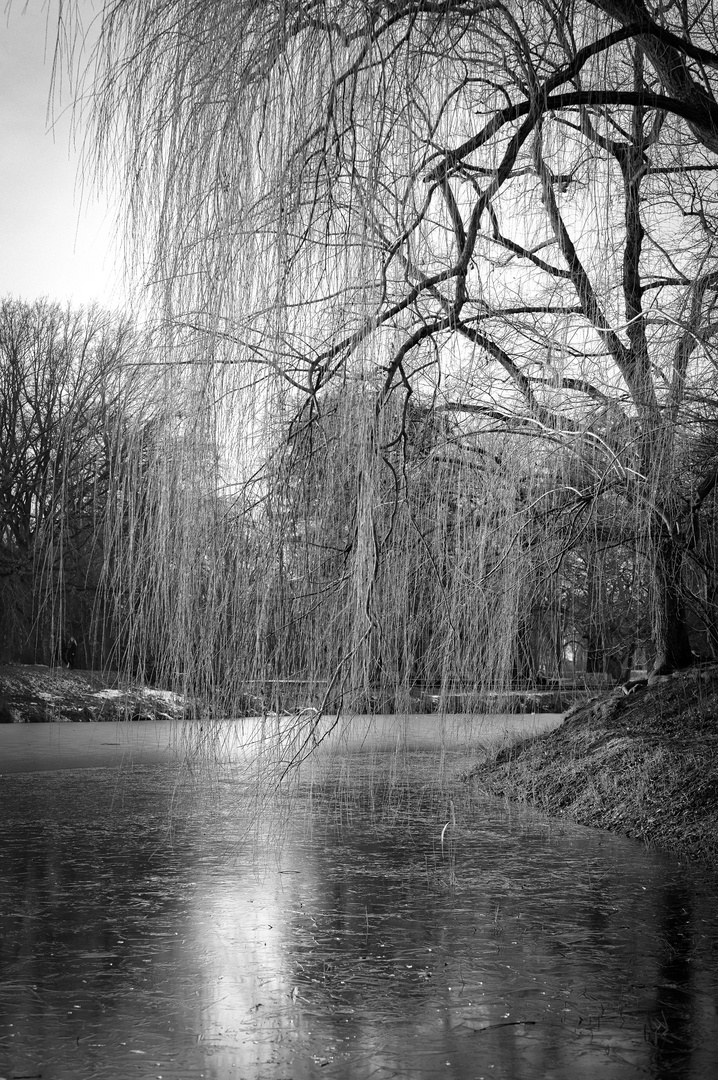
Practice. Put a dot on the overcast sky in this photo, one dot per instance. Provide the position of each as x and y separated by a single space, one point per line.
49 244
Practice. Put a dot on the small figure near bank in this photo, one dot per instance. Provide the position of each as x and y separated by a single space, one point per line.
68 652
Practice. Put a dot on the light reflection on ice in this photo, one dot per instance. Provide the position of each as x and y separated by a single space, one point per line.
373 922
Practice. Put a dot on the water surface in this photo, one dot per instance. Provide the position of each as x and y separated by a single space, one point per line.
368 921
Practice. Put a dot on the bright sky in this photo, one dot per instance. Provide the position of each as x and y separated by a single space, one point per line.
50 244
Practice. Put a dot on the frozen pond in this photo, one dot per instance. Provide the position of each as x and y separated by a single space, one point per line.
173 920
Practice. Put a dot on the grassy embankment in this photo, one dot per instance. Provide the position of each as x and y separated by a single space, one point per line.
644 764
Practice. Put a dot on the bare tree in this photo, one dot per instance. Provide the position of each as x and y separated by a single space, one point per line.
505 212
61 388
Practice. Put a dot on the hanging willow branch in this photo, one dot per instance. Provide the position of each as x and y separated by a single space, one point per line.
395 432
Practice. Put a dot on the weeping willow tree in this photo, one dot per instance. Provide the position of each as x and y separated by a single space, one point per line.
435 285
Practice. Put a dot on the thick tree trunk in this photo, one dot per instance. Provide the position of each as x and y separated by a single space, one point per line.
673 69
524 666
595 644
595 651
670 633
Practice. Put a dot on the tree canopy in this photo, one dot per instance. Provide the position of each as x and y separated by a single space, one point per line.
354 213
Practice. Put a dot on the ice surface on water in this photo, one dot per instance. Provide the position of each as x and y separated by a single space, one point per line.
372 921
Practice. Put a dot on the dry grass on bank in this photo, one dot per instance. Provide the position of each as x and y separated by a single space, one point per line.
643 764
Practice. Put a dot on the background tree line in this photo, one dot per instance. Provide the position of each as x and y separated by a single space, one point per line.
96 475
60 375
73 415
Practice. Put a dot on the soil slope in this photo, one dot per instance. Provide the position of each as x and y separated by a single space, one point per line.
643 763
34 694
